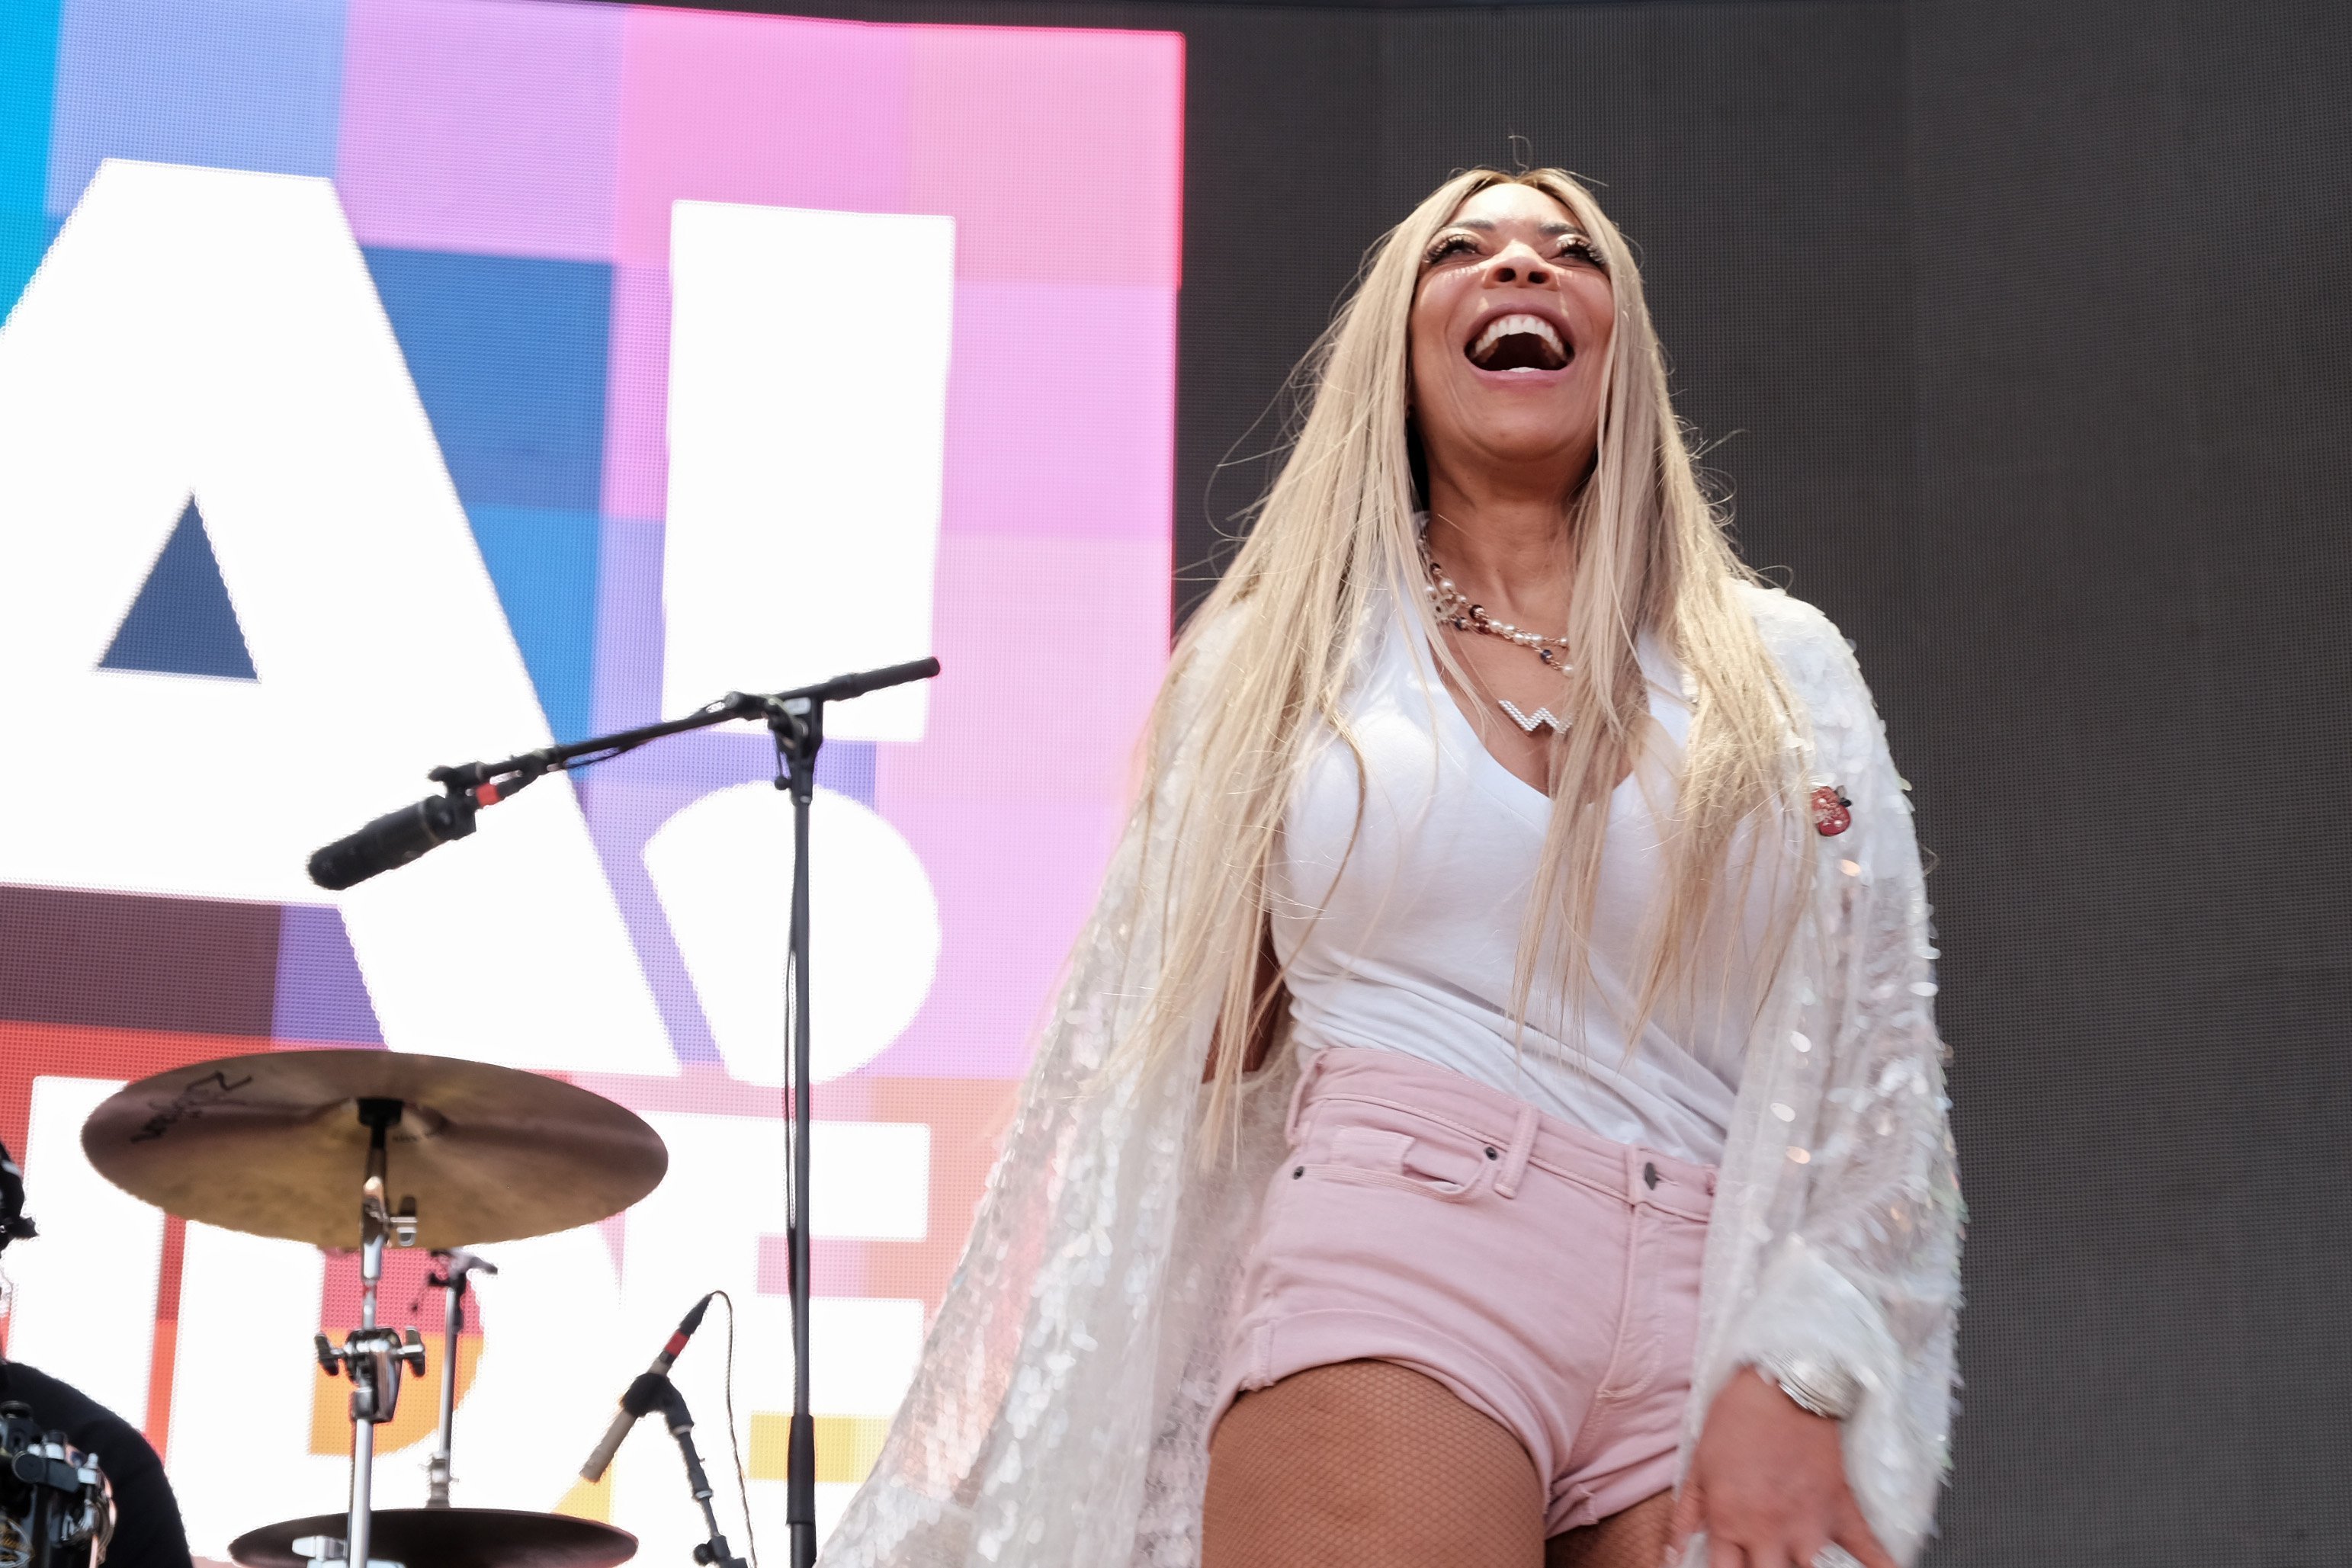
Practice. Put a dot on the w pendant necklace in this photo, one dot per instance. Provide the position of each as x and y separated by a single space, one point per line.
1452 607
1542 718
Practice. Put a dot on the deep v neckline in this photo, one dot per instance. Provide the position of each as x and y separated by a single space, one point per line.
1462 732
1465 734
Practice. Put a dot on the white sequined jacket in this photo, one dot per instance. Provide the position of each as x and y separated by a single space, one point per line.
1057 1419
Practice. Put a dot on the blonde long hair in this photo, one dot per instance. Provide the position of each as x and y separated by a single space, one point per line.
1335 538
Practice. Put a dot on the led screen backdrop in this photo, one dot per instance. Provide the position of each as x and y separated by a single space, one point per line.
409 382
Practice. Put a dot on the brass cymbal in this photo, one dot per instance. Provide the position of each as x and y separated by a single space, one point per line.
450 1538
273 1144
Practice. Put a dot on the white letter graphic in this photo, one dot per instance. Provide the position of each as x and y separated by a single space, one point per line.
808 389
211 332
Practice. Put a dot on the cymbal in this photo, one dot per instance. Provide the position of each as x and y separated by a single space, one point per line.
272 1145
450 1538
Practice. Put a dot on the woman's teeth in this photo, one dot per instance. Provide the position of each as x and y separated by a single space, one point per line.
1536 346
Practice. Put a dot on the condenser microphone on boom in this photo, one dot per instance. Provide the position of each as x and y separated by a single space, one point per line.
602 1459
392 840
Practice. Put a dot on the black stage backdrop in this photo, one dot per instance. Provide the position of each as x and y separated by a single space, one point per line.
2018 334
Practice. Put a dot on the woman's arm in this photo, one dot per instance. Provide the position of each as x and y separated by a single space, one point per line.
1861 1282
1270 1008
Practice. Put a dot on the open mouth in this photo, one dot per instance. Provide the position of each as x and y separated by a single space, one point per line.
1518 342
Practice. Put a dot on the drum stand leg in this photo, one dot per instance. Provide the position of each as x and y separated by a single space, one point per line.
356 1541
436 1473
372 1357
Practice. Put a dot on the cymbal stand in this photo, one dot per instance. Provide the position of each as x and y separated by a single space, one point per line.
372 1357
455 1266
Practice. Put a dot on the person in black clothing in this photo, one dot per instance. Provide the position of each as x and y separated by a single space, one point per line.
147 1528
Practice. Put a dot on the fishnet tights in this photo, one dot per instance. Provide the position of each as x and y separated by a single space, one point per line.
1367 1464
1634 1538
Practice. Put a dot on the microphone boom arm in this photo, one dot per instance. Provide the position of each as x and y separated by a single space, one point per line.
761 707
394 840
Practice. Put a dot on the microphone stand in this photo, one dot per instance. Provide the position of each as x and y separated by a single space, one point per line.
795 719
798 726
654 1391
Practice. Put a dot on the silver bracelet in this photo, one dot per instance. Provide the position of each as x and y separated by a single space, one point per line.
1814 1383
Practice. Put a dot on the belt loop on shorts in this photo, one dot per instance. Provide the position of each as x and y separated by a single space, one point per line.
1515 1158
1298 1096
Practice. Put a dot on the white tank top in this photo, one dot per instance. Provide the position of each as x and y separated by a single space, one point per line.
1416 943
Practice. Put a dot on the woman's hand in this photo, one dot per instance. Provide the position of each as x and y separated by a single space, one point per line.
1768 1484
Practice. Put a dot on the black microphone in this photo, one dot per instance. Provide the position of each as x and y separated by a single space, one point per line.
602 1459
392 840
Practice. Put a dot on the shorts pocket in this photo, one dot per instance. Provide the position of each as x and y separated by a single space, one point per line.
1371 1149
1379 1147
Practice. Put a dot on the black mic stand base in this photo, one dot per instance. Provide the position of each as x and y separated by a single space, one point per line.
800 1499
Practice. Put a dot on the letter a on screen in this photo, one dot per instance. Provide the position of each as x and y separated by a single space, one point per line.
213 337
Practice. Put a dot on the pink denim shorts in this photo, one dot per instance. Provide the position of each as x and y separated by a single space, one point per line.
1547 1276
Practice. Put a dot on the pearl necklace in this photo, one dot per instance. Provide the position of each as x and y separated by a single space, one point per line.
1453 607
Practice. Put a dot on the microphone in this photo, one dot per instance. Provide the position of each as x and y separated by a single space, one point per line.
602 1459
392 840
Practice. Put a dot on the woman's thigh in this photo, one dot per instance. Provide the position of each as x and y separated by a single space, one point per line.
1632 1538
1373 1465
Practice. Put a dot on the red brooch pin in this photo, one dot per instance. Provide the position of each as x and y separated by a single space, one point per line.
1832 813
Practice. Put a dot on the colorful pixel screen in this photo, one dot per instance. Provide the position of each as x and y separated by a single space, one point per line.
388 383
